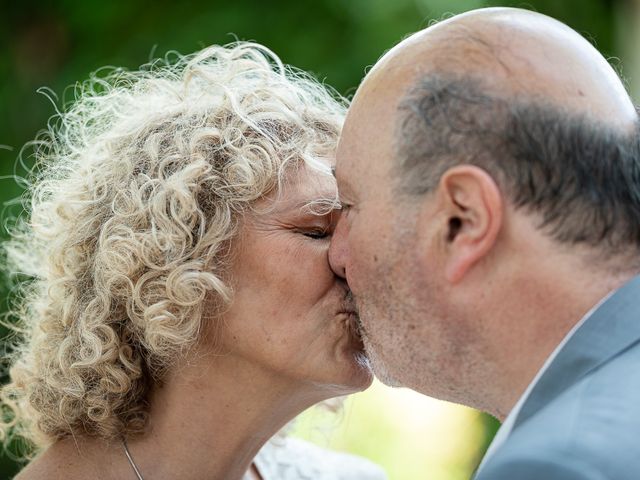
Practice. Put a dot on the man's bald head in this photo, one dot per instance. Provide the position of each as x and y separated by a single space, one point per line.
525 98
519 53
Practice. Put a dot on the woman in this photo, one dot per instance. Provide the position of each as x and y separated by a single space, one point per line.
181 309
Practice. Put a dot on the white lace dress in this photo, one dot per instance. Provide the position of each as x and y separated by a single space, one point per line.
289 458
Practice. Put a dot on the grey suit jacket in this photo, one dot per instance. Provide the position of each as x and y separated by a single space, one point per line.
582 419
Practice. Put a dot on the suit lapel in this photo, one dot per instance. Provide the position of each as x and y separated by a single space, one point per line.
612 328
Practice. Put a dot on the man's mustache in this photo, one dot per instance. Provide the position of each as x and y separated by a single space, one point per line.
349 303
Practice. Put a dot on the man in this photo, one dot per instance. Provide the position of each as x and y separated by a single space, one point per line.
489 171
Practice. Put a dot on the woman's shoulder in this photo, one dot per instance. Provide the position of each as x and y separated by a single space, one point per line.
290 458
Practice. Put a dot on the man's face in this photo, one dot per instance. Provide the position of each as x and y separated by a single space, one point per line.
370 246
393 267
363 246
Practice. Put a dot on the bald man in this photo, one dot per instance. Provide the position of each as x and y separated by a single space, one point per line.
489 172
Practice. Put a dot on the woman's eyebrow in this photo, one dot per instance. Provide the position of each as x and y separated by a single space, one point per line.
327 201
321 206
316 205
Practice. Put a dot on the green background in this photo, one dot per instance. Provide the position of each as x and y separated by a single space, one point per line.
54 44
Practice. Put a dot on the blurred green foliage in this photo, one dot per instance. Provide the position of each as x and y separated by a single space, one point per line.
56 43
407 434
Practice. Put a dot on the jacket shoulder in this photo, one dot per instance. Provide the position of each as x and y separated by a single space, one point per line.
536 465
590 430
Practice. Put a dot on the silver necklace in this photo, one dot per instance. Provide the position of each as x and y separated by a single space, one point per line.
131 462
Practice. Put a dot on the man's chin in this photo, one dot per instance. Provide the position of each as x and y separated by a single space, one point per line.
387 379
379 367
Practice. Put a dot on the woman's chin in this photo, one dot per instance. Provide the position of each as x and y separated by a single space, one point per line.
355 352
353 378
357 365
344 367
350 373
363 372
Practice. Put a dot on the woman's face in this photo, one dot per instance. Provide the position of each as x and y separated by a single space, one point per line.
290 313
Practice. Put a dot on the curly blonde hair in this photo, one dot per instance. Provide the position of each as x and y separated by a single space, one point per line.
141 183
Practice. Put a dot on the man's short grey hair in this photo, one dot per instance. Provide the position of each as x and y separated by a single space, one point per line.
580 174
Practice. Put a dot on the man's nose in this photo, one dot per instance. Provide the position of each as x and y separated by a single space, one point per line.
338 249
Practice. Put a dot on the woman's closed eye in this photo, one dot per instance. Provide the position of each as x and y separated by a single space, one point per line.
317 234
344 207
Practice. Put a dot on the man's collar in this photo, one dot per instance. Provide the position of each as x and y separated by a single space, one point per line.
508 425
613 327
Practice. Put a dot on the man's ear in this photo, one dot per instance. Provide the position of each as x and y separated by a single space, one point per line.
473 208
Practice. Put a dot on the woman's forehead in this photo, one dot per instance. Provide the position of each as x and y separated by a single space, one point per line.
315 189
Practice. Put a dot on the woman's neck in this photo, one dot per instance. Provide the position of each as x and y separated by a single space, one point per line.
211 418
208 420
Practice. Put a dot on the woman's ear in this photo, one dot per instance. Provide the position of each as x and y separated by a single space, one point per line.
473 207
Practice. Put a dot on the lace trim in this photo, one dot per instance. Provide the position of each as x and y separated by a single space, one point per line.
293 459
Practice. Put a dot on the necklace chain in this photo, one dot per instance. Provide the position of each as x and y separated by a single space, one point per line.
131 462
